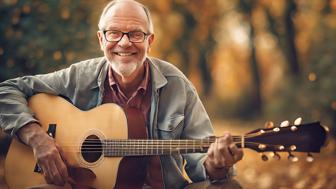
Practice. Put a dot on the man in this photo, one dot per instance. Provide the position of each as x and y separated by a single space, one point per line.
128 77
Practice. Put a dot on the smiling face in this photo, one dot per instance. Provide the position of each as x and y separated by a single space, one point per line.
125 57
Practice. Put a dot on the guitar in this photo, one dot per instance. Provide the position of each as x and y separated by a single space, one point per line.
89 140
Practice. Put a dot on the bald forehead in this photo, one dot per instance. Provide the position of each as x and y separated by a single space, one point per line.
125 10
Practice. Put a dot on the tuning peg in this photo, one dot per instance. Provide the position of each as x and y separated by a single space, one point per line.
281 147
292 158
276 129
284 123
276 156
269 125
292 147
293 128
262 146
298 121
264 157
309 158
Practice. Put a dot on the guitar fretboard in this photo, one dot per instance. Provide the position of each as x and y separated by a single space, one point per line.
144 147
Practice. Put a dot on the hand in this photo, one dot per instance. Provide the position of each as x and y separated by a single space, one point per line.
47 152
222 155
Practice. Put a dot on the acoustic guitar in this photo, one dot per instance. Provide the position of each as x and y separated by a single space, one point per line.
98 141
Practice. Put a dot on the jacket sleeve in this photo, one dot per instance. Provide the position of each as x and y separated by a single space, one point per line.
14 112
197 126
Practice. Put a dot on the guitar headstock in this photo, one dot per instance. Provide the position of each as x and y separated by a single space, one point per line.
309 137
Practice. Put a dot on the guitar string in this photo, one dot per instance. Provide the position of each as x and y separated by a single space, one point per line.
142 142
147 145
130 151
148 151
152 140
151 144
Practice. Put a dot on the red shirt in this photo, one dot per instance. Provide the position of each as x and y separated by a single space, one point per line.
140 99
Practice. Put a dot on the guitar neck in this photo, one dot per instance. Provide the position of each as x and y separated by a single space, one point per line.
143 147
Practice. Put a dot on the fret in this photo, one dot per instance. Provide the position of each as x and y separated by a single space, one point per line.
104 147
152 147
140 147
157 150
170 147
162 147
194 146
145 144
179 144
111 146
186 147
147 147
122 147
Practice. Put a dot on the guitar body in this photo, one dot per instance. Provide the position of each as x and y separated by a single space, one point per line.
73 127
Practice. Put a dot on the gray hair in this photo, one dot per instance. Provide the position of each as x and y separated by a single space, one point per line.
111 3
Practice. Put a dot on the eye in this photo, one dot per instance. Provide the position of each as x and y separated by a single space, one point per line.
113 34
136 34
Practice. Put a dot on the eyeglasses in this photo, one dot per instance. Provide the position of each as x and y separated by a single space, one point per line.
133 36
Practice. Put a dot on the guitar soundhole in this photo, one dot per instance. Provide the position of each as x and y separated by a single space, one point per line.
92 149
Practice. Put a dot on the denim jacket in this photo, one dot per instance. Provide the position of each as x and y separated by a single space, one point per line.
176 110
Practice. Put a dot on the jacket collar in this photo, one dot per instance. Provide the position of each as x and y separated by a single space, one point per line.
158 79
102 74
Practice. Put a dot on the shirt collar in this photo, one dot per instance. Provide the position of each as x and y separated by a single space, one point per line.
143 85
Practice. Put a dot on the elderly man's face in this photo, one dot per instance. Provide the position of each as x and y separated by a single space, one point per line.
126 57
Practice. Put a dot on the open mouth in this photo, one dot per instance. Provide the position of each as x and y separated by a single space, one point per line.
123 54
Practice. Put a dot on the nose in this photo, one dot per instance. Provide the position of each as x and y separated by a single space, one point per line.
124 41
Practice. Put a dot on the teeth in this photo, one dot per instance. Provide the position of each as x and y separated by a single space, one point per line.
124 54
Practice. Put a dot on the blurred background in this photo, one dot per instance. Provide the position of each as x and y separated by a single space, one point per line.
250 60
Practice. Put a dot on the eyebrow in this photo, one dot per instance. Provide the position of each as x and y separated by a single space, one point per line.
117 29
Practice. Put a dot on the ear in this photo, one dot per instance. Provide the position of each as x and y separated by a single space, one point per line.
150 42
100 36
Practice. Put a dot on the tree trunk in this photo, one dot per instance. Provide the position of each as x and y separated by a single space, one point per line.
256 101
290 38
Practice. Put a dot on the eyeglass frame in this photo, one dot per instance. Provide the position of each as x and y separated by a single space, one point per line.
127 34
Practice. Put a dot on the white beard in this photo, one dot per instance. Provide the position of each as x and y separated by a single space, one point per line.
125 70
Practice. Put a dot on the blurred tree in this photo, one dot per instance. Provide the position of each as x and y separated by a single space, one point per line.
327 7
283 28
39 36
182 42
321 88
313 94
204 53
190 31
255 101
290 48
208 25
